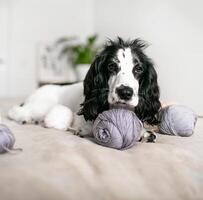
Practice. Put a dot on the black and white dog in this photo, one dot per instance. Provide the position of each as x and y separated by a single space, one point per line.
120 74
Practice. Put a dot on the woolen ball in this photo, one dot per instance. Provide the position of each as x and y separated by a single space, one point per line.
177 120
7 139
117 128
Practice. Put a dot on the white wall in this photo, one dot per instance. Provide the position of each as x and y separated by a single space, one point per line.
32 21
174 28
3 47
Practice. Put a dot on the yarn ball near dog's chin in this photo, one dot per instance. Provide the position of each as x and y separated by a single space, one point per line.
7 139
117 128
177 120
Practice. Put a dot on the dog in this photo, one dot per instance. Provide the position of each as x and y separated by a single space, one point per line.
121 74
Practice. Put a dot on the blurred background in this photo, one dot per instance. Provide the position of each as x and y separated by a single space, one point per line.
53 41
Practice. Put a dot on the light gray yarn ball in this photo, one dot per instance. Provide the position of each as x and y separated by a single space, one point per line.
177 120
7 139
117 128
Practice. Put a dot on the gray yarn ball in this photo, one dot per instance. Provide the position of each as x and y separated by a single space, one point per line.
7 139
177 120
117 128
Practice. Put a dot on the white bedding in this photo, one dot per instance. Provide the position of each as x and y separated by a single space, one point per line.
57 165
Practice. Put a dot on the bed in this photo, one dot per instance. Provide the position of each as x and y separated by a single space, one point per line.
56 165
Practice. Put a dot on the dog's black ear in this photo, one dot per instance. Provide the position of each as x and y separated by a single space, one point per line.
95 89
149 94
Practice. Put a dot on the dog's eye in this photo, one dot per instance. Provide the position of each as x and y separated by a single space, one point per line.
137 69
113 67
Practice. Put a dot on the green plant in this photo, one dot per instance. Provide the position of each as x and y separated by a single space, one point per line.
81 53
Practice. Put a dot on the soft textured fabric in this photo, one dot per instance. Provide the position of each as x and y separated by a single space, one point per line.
117 128
56 165
177 120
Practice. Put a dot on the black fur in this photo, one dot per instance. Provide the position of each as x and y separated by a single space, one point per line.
96 83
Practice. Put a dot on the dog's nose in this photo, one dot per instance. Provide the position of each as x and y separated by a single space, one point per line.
124 92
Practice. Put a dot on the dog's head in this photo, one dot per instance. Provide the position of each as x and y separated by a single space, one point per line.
122 74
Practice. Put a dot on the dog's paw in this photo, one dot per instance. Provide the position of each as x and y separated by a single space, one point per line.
59 117
152 137
20 115
77 132
148 136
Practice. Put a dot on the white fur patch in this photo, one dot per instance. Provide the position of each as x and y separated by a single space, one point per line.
123 77
59 117
20 114
125 59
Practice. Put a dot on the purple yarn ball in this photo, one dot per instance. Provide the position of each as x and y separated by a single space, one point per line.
177 120
117 128
7 139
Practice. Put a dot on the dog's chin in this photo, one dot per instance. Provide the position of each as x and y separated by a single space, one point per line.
123 105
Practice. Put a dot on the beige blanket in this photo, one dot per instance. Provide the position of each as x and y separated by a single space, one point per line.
56 165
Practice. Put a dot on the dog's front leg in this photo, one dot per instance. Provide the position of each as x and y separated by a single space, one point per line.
81 127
